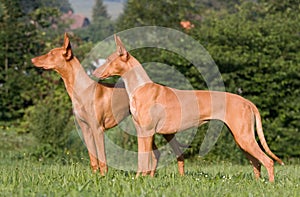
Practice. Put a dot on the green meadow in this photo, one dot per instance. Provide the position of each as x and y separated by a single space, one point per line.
24 177
23 173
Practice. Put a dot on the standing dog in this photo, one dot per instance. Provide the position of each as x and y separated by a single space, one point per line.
164 110
97 107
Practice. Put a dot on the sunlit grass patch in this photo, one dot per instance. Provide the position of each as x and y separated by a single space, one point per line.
27 178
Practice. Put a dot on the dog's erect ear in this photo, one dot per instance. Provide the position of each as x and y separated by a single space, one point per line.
120 48
68 54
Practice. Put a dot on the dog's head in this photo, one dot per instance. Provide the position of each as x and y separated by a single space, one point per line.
115 63
56 58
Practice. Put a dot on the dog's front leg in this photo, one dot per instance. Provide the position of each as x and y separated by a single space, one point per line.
90 144
145 155
100 146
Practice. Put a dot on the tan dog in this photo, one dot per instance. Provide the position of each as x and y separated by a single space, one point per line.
159 109
96 106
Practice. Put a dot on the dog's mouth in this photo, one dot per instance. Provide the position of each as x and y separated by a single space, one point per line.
104 76
100 75
46 67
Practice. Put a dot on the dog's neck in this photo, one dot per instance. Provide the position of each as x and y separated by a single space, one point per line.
135 76
75 78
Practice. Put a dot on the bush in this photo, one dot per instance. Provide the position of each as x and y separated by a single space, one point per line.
51 123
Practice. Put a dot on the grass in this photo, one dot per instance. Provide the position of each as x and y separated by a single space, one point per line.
23 177
20 175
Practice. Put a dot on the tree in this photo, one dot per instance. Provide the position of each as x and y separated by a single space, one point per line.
16 48
218 4
256 51
63 5
99 10
160 13
275 6
1 9
101 25
23 35
33 100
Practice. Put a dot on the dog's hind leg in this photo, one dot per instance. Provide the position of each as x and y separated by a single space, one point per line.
244 135
155 158
175 145
255 163
251 147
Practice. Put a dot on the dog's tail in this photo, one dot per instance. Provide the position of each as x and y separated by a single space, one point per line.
261 136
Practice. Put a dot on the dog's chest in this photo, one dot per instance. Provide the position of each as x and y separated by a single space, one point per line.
81 110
